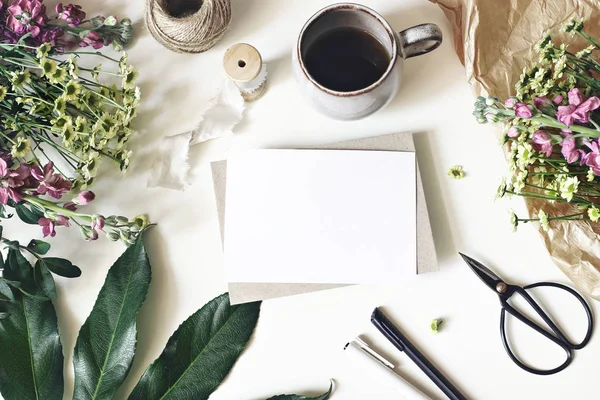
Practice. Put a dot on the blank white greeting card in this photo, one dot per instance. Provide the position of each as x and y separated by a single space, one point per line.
320 216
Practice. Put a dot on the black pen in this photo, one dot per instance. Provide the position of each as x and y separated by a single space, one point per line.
393 334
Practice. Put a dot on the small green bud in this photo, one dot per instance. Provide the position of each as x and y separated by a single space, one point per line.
436 325
113 236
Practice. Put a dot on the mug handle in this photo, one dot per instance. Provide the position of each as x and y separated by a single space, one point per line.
420 39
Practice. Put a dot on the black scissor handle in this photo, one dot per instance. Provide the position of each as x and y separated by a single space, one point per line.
586 307
557 337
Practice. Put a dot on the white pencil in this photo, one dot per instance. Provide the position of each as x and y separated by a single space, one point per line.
374 364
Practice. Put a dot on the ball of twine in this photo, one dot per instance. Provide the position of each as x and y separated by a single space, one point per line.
188 26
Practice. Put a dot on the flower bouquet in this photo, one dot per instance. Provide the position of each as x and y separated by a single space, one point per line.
59 120
552 131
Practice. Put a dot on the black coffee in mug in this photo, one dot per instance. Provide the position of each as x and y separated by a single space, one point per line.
346 59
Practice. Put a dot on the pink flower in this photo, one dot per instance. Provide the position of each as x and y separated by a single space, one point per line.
69 205
26 16
47 227
97 223
92 39
542 142
52 184
569 150
61 220
510 102
512 132
592 159
557 100
575 97
579 108
71 13
541 102
523 110
86 197
12 181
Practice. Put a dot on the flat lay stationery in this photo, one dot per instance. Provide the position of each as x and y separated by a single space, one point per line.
372 363
155 153
347 208
397 338
426 254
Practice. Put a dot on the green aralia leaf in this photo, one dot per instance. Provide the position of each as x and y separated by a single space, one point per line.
29 215
200 353
44 280
39 246
107 340
324 396
62 267
31 361
5 290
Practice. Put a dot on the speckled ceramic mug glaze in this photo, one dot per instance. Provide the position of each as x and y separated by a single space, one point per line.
360 103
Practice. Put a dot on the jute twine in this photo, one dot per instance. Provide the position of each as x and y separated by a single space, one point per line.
188 26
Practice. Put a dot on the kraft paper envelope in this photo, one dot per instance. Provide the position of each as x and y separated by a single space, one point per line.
426 255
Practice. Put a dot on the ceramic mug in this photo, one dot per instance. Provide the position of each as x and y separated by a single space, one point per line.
356 104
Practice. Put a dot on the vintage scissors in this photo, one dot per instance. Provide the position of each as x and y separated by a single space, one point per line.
505 291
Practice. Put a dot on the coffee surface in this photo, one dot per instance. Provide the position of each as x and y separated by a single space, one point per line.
346 59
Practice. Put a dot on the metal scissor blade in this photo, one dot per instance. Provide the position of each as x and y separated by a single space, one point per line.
487 276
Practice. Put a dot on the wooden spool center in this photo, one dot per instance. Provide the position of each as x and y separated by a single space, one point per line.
242 62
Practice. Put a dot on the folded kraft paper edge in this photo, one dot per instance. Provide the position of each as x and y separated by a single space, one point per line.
426 254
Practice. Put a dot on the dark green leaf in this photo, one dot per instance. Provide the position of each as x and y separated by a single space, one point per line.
324 396
13 244
28 215
5 290
1 216
62 267
39 246
31 365
44 280
107 340
1 261
200 353
14 284
18 268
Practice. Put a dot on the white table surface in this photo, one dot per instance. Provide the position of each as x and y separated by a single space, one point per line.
297 345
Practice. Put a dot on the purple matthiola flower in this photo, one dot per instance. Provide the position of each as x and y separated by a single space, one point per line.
510 102
71 13
97 223
579 108
12 181
92 39
69 205
85 197
592 159
512 132
542 142
47 227
523 110
61 220
50 183
26 16
570 151
557 100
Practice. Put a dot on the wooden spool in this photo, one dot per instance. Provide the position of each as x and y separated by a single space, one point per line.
243 65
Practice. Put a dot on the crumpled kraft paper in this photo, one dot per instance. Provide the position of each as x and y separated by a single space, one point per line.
224 112
494 40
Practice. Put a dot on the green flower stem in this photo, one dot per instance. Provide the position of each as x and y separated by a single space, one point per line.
96 53
96 84
49 205
101 72
575 128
